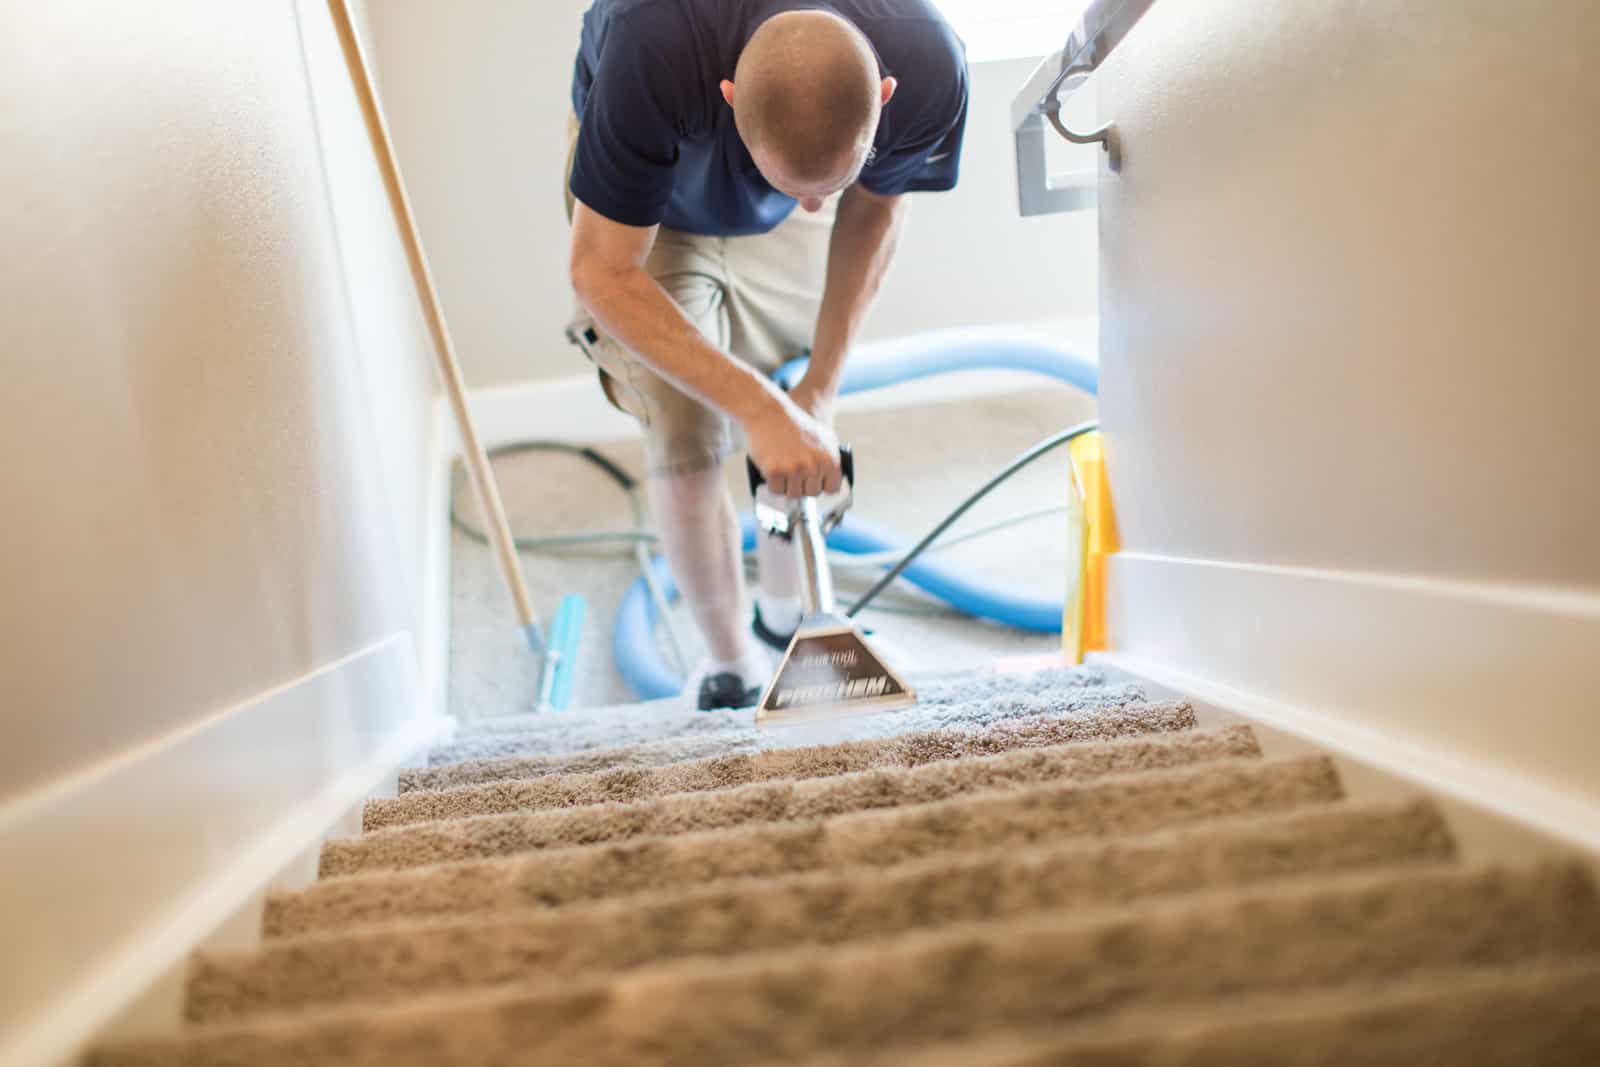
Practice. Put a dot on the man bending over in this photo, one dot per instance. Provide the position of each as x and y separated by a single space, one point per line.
699 126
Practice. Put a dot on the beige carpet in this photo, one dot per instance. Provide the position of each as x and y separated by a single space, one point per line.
1088 877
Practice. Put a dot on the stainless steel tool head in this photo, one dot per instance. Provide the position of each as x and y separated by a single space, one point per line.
830 670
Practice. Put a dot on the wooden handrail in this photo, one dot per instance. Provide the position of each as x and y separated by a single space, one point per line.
445 362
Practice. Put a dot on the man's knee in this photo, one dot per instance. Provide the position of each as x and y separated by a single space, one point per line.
693 479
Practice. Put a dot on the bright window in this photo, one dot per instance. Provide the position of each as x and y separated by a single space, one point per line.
1012 29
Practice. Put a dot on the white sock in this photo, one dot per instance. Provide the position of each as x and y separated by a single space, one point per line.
781 614
752 666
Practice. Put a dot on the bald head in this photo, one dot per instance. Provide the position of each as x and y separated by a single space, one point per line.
806 97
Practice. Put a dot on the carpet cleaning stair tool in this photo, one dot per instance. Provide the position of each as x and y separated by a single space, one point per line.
829 669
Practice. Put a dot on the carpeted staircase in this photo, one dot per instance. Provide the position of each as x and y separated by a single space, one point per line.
1022 870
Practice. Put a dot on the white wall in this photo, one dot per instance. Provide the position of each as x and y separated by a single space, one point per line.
478 94
392 350
215 413
968 257
1349 372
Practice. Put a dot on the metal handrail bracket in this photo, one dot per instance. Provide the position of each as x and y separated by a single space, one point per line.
1103 25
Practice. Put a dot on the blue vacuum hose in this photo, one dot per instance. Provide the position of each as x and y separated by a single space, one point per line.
633 639
922 355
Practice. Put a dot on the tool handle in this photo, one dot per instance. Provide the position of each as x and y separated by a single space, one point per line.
847 464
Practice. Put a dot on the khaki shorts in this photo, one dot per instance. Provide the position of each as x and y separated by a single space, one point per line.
754 297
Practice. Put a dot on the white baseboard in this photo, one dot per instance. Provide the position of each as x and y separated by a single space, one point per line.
1479 692
434 640
132 864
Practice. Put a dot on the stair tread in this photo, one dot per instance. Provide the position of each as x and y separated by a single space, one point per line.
631 784
411 958
965 979
664 725
470 836
741 768
1125 804
1542 1013
933 687
1116 720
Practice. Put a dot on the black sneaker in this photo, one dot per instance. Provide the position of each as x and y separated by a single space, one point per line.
727 690
775 641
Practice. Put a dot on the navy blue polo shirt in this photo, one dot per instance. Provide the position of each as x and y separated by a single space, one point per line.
657 143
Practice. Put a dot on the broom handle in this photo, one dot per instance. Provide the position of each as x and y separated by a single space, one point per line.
478 471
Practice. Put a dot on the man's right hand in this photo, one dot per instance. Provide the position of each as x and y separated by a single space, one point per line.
796 454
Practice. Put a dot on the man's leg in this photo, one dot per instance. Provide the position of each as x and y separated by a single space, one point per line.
693 511
690 505
685 445
699 534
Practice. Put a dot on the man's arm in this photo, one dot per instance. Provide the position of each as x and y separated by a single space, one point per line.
795 453
865 234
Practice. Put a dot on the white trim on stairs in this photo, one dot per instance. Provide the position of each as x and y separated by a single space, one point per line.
133 863
1474 690
434 641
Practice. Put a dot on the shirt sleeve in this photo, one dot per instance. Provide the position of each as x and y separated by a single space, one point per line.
628 134
927 156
